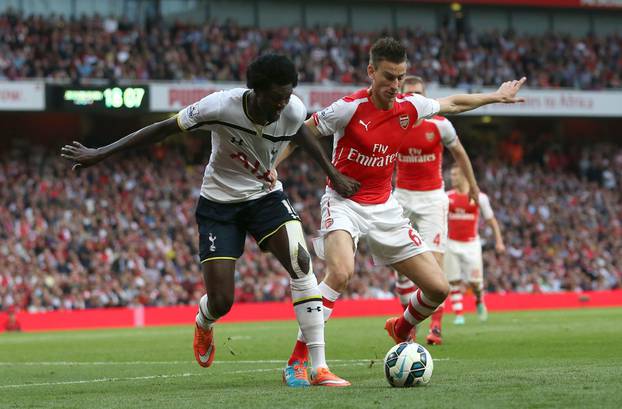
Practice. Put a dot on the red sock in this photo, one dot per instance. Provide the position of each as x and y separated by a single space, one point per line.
300 353
437 317
419 308
403 327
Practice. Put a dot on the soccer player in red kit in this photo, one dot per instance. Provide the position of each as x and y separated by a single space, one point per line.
420 191
464 250
369 127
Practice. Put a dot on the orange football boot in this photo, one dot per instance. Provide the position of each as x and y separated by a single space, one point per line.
204 347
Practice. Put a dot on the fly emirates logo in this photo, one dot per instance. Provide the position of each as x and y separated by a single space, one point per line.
460 214
417 156
378 159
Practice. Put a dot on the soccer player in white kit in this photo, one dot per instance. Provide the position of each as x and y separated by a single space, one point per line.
463 258
420 191
250 128
369 127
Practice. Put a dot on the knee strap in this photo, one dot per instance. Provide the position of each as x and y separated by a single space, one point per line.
299 257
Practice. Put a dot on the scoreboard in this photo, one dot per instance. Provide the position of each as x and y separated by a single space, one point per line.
98 98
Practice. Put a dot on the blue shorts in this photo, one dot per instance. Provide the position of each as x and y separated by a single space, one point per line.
223 226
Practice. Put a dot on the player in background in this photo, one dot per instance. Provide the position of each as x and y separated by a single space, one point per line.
250 127
420 191
12 324
369 127
464 250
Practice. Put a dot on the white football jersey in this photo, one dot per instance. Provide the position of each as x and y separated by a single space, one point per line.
242 152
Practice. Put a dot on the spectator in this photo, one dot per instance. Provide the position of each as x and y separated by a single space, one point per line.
12 324
55 48
109 236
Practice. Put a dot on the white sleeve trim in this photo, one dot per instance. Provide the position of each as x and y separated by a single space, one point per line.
484 206
208 108
336 116
426 107
447 131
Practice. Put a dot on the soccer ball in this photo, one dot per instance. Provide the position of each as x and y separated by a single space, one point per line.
408 364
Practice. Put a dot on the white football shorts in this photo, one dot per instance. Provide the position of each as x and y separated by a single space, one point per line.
463 261
390 236
427 211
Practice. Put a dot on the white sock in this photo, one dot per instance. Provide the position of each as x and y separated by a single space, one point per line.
329 296
309 313
455 295
204 318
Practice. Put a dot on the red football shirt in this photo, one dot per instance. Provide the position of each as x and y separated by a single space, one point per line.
420 160
463 215
367 139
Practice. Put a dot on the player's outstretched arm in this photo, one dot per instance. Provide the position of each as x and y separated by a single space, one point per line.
154 133
464 162
307 138
506 94
499 246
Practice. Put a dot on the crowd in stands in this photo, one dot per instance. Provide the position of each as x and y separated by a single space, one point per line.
55 47
122 233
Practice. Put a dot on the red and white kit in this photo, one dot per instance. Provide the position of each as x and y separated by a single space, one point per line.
419 187
464 250
366 146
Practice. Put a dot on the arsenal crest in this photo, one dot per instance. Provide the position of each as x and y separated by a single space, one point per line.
429 136
404 121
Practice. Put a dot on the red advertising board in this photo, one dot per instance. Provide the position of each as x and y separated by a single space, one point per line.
271 311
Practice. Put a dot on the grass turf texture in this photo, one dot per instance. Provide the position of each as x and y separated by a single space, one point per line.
552 359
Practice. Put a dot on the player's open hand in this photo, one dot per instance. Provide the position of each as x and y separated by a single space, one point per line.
500 248
81 155
344 185
508 90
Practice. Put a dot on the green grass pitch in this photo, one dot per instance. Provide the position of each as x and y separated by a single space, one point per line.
543 359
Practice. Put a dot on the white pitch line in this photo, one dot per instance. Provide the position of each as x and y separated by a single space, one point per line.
141 378
75 363
137 378
341 363
113 363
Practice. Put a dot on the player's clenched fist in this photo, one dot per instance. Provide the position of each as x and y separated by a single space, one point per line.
344 185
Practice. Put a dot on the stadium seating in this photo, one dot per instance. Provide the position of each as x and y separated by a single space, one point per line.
123 232
94 47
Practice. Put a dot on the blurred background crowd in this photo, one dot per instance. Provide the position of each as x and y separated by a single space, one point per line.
59 48
123 232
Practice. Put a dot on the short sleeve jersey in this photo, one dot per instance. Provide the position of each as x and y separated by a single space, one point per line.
463 216
367 139
420 160
242 152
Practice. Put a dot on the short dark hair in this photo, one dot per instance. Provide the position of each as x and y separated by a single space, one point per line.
271 69
413 80
388 49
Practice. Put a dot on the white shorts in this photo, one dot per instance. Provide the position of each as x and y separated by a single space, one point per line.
427 212
388 233
463 261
